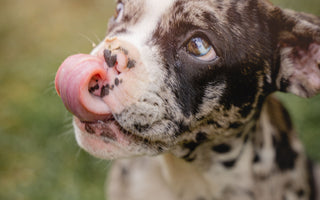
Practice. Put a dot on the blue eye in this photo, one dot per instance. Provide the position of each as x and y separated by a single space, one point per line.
201 49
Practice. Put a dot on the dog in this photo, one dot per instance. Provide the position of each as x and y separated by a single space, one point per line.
180 93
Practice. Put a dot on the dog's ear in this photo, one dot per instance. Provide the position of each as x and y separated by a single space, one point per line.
298 43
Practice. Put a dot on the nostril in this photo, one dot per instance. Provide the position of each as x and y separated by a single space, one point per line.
109 58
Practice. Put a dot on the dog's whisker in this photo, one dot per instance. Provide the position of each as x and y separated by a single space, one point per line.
87 38
78 154
68 132
97 38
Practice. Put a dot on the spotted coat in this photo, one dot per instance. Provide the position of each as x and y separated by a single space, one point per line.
208 129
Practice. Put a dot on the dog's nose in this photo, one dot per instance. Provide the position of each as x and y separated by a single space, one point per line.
120 54
118 59
87 83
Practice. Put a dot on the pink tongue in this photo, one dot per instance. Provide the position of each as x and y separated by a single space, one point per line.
74 77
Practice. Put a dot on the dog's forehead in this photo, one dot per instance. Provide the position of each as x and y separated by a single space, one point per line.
143 17
140 19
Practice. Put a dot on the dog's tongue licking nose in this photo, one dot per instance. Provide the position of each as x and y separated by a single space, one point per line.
78 82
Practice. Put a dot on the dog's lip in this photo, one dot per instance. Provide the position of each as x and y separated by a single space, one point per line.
108 129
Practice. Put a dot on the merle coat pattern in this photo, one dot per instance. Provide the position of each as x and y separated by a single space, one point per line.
199 129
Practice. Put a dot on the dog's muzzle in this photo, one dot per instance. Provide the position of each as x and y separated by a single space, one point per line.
86 83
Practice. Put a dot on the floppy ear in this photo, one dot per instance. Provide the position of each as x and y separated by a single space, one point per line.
298 42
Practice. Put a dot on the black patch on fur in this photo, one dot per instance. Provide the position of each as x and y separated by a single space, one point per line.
229 164
201 137
182 128
262 98
256 158
284 84
116 82
104 91
146 141
222 148
246 138
109 135
160 149
131 64
241 90
189 159
246 110
109 58
191 146
235 125
89 129
141 128
301 193
212 122
287 118
285 155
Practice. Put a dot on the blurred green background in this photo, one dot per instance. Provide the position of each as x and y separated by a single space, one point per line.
39 158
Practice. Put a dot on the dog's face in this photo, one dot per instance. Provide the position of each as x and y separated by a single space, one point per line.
169 68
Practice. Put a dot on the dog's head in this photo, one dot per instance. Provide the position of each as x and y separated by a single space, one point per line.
168 68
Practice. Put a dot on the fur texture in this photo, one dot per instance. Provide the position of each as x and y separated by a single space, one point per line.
208 129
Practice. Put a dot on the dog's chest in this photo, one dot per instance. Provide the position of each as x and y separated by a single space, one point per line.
265 163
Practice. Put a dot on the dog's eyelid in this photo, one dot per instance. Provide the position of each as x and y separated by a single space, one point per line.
201 48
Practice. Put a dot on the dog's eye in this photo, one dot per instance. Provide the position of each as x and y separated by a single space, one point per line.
201 49
119 12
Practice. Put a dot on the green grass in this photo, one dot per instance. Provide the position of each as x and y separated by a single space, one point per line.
39 158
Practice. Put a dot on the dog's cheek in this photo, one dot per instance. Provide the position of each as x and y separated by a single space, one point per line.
242 90
211 99
141 116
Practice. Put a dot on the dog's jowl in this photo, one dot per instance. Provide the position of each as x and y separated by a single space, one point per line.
180 94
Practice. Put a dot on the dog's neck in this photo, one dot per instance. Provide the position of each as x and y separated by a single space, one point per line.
212 165
266 147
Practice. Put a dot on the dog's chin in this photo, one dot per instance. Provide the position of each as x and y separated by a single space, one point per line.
108 140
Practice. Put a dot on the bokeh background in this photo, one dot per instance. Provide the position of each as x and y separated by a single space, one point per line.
39 158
